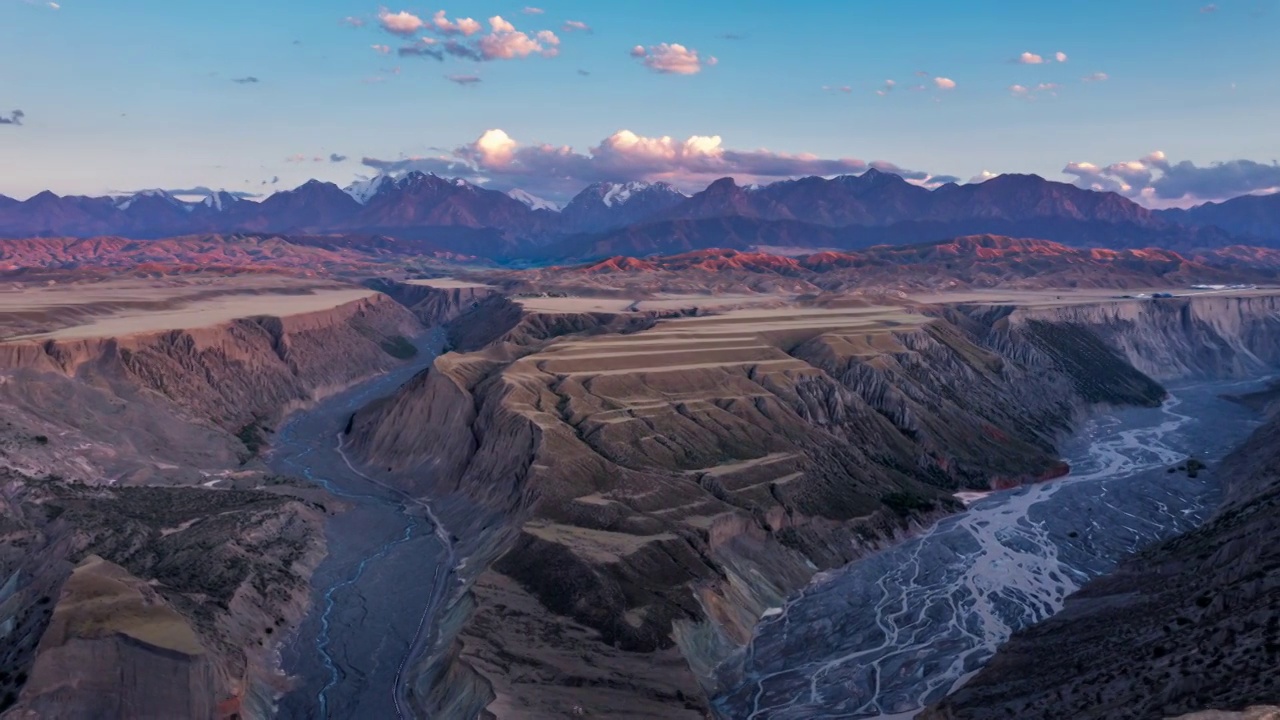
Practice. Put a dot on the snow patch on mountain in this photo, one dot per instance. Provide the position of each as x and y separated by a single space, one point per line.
533 202
365 188
125 202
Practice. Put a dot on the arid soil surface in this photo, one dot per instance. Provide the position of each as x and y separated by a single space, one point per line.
116 308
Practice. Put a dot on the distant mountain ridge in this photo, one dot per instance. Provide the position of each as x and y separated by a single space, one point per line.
638 218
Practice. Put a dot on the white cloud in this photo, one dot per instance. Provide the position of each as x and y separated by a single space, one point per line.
886 88
944 83
533 11
1096 77
381 49
1060 56
575 26
671 58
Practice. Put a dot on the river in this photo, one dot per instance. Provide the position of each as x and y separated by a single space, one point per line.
387 570
888 634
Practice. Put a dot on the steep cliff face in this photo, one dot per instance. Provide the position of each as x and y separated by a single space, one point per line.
1190 624
1207 336
433 304
202 579
649 495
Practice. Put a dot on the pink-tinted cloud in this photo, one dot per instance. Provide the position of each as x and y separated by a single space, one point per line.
497 160
575 26
1032 92
533 11
671 58
381 49
400 23
1030 58
886 88
1155 180
943 83
466 27
1096 77
352 21
466 37
508 43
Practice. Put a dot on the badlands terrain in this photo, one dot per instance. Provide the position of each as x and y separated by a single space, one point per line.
590 500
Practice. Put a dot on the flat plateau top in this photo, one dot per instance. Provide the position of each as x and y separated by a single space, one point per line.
1072 296
782 304
126 306
447 283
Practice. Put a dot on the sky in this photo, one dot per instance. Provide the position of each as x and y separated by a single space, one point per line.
1170 102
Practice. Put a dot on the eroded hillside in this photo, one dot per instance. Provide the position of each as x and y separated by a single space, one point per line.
666 481
125 594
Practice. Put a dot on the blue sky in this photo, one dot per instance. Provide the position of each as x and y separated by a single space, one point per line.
126 94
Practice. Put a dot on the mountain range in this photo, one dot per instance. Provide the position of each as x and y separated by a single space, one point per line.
636 218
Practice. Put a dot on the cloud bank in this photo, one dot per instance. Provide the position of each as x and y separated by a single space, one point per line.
1158 181
466 37
497 160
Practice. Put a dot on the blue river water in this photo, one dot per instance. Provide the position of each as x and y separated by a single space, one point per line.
885 636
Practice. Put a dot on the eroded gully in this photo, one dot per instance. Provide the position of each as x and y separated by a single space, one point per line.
385 577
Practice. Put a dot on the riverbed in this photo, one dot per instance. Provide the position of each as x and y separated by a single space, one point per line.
387 570
885 636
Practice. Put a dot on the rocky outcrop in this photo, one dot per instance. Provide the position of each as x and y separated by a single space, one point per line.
656 491
144 659
149 602
1189 624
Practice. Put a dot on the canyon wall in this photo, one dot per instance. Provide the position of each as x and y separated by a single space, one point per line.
123 593
648 488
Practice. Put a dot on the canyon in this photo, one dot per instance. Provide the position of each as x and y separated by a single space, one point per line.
647 486
151 560
340 485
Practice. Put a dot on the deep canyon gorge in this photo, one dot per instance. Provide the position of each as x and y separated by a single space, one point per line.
602 511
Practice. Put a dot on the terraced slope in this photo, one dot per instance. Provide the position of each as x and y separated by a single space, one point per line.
650 486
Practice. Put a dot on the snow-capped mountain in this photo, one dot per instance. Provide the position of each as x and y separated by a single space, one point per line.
128 201
363 189
606 205
220 200
533 202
